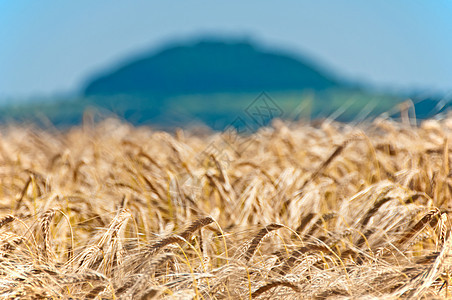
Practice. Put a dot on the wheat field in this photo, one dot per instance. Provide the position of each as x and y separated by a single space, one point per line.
294 211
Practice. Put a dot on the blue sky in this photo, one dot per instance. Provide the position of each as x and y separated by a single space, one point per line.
51 47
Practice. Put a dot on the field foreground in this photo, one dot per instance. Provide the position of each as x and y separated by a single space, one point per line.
110 211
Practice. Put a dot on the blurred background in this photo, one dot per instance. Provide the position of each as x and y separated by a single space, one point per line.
191 63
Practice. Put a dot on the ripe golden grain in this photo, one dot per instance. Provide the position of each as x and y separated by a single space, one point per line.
289 216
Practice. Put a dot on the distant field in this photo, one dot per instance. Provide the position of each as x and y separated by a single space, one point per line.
216 110
111 211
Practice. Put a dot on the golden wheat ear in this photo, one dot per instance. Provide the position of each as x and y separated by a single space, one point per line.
256 241
6 220
46 218
274 284
152 249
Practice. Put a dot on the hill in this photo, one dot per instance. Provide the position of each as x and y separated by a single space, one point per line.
210 66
